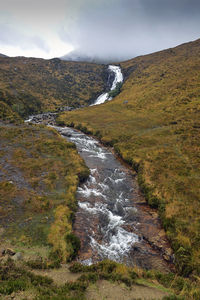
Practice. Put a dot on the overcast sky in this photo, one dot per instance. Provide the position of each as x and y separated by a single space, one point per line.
104 28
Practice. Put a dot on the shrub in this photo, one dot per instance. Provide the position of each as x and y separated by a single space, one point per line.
83 175
89 277
75 243
76 267
116 91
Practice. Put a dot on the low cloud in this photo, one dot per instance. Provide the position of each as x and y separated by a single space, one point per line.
107 29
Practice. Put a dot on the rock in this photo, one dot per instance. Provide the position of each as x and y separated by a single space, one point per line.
167 257
4 259
66 108
66 134
125 102
2 251
17 256
9 252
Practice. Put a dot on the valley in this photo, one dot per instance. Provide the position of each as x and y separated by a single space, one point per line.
111 184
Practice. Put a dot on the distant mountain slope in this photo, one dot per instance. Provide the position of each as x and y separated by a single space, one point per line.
3 55
30 85
154 125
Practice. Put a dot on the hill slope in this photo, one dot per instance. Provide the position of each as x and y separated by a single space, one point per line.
39 175
31 85
154 125
3 55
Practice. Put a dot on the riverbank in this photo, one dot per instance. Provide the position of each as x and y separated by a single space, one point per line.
83 288
39 175
34 163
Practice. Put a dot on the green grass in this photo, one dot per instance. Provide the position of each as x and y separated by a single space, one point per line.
177 286
17 279
153 124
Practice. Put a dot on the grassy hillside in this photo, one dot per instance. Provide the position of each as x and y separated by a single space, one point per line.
39 175
31 85
39 172
7 115
154 125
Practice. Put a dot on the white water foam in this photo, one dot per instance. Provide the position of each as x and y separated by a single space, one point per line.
100 155
118 75
118 240
92 179
87 262
118 246
29 120
119 180
118 78
99 207
101 99
93 171
103 186
90 146
87 192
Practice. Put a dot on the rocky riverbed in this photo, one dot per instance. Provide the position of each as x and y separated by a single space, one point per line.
113 219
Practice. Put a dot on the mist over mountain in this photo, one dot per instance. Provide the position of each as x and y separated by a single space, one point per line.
105 30
77 55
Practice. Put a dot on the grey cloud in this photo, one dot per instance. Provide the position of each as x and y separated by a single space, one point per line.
13 37
108 28
127 28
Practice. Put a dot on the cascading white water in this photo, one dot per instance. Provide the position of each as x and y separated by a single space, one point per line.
118 75
106 195
118 79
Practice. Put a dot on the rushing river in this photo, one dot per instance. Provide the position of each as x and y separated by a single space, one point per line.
113 220
105 200
110 221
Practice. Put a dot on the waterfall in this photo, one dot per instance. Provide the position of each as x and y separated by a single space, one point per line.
118 79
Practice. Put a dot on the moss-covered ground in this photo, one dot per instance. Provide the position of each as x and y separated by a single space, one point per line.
39 172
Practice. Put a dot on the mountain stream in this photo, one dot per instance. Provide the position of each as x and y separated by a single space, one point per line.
113 220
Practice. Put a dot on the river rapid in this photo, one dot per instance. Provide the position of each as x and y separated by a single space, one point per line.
113 220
